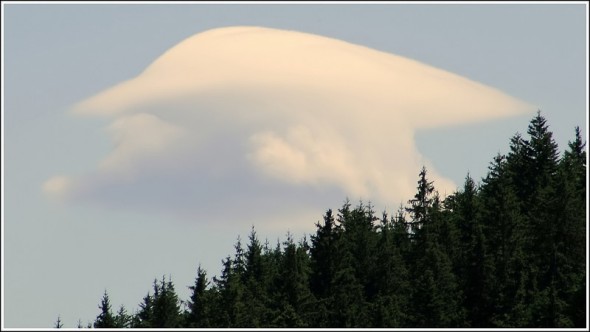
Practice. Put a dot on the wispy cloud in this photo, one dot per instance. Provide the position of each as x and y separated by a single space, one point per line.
247 117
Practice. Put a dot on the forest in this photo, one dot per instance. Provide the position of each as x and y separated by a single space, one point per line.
507 251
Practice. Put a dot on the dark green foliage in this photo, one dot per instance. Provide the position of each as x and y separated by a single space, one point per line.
122 319
199 314
323 256
508 252
162 309
435 292
105 319
292 287
473 267
231 296
391 275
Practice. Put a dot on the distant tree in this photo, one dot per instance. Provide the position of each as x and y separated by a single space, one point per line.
105 319
198 304
144 318
122 319
435 294
418 210
571 249
294 296
356 252
166 309
391 304
400 234
323 256
58 323
231 296
473 269
255 280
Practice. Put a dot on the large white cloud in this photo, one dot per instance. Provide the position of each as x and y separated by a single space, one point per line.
249 117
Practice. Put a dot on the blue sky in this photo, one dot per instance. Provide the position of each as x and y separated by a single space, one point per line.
59 257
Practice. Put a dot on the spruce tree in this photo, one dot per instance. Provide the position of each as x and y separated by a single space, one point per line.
474 269
58 323
569 283
122 319
166 308
231 296
323 256
198 305
105 319
144 318
390 306
255 281
294 297
435 291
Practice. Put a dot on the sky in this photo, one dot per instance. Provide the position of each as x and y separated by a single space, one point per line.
142 140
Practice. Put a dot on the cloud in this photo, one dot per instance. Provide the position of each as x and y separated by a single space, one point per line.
255 118
57 185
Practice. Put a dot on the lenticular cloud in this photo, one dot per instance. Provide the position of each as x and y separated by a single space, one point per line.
257 117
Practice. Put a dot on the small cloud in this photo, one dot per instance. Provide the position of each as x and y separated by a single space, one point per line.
57 186
244 116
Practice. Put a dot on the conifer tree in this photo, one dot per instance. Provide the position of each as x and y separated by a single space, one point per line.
255 281
231 296
166 305
435 291
162 309
569 284
58 323
198 305
419 207
474 269
391 304
294 297
144 318
105 319
323 256
122 319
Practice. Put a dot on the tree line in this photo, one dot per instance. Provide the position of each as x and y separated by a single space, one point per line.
507 252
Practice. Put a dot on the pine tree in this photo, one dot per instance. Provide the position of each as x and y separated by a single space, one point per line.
122 319
166 307
231 296
58 323
294 297
356 254
391 304
502 224
348 306
360 238
474 268
435 291
323 256
568 284
255 281
144 318
162 309
543 222
400 234
105 319
198 306
419 207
